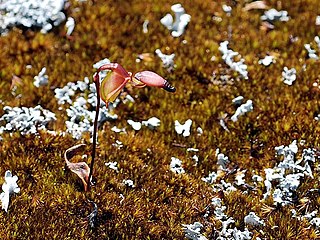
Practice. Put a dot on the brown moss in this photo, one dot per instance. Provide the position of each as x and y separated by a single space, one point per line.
53 206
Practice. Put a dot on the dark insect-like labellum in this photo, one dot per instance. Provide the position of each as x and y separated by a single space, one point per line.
168 87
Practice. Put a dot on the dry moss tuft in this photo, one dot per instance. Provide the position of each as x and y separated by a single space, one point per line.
53 205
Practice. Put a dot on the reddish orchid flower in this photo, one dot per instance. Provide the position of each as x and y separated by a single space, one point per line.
118 77
109 89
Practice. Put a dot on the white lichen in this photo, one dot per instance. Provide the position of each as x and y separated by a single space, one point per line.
226 232
318 20
311 52
118 144
195 158
237 100
176 166
152 122
228 57
135 125
267 60
118 130
257 178
145 26
222 160
274 15
25 120
315 221
289 75
70 25
9 187
227 9
223 124
240 175
31 13
192 150
41 79
285 178
199 131
253 219
242 109
167 60
113 166
183 129
129 183
317 40
211 178
177 27
192 231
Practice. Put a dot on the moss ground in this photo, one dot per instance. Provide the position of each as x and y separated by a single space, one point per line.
52 204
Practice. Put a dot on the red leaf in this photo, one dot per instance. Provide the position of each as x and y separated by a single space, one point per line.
81 168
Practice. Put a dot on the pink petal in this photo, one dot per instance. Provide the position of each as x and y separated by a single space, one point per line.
153 80
116 67
150 79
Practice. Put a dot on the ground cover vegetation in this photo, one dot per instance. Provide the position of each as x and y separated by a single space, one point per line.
246 176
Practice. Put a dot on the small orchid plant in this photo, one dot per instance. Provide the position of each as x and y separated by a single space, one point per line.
108 90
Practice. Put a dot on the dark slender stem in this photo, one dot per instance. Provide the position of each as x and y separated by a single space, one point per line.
95 127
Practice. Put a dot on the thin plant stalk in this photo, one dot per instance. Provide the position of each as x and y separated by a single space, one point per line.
95 127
